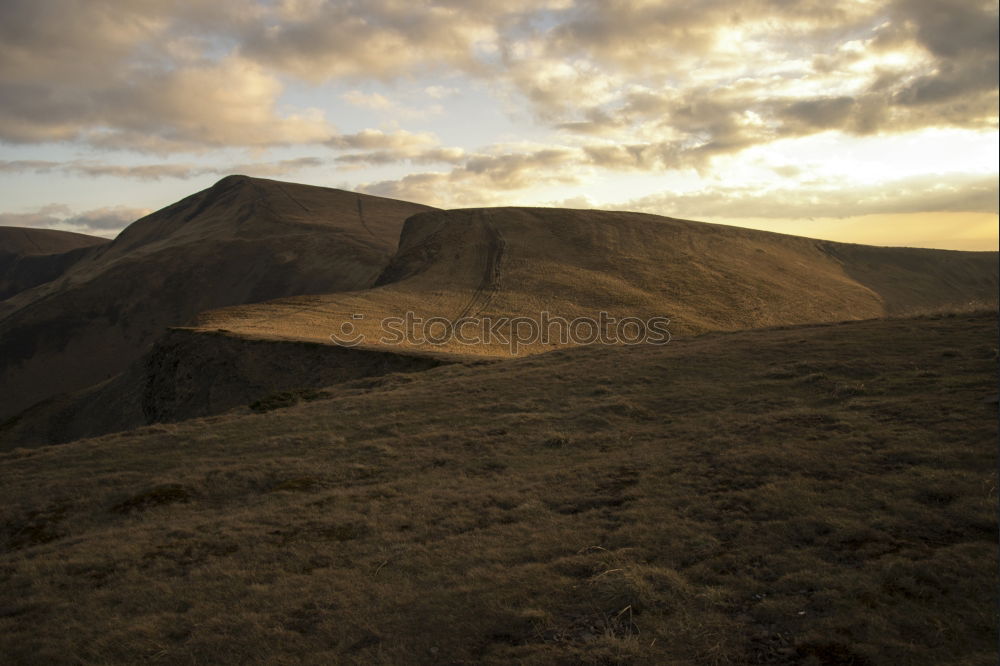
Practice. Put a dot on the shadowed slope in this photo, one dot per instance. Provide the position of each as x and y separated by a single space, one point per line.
913 279
30 257
21 241
522 261
190 374
811 495
240 241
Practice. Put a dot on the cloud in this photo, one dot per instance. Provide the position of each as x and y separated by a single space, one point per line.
483 179
500 175
367 100
440 92
954 194
386 106
152 172
273 169
379 157
822 112
607 85
46 216
138 75
164 77
704 79
377 147
22 166
371 139
106 221
962 37
229 103
382 39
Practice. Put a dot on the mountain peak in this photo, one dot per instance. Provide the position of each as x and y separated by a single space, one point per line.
233 181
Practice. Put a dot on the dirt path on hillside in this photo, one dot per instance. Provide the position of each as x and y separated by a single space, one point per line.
491 256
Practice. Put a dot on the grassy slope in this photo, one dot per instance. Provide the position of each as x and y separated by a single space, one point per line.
817 495
480 263
522 261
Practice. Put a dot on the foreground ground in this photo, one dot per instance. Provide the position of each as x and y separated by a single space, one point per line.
814 495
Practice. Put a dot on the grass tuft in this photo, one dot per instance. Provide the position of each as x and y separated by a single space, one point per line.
169 493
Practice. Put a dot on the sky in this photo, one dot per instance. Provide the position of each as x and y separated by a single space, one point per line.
868 121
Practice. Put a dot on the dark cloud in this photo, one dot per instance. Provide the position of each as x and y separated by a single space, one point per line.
962 37
822 112
952 29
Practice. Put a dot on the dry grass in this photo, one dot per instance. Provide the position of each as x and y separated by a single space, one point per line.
518 262
806 495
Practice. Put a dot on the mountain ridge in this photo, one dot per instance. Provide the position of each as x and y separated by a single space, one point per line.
239 241
30 257
514 261
351 260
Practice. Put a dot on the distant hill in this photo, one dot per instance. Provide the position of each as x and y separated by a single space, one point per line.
240 241
518 262
23 241
30 257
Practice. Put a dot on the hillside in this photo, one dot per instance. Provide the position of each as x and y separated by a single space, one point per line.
790 495
518 262
484 265
22 241
242 240
30 257
189 374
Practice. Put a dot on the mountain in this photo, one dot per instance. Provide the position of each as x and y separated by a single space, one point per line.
240 241
492 265
30 257
518 262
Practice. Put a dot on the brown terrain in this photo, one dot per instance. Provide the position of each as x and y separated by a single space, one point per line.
520 261
240 241
481 263
805 474
797 495
30 257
